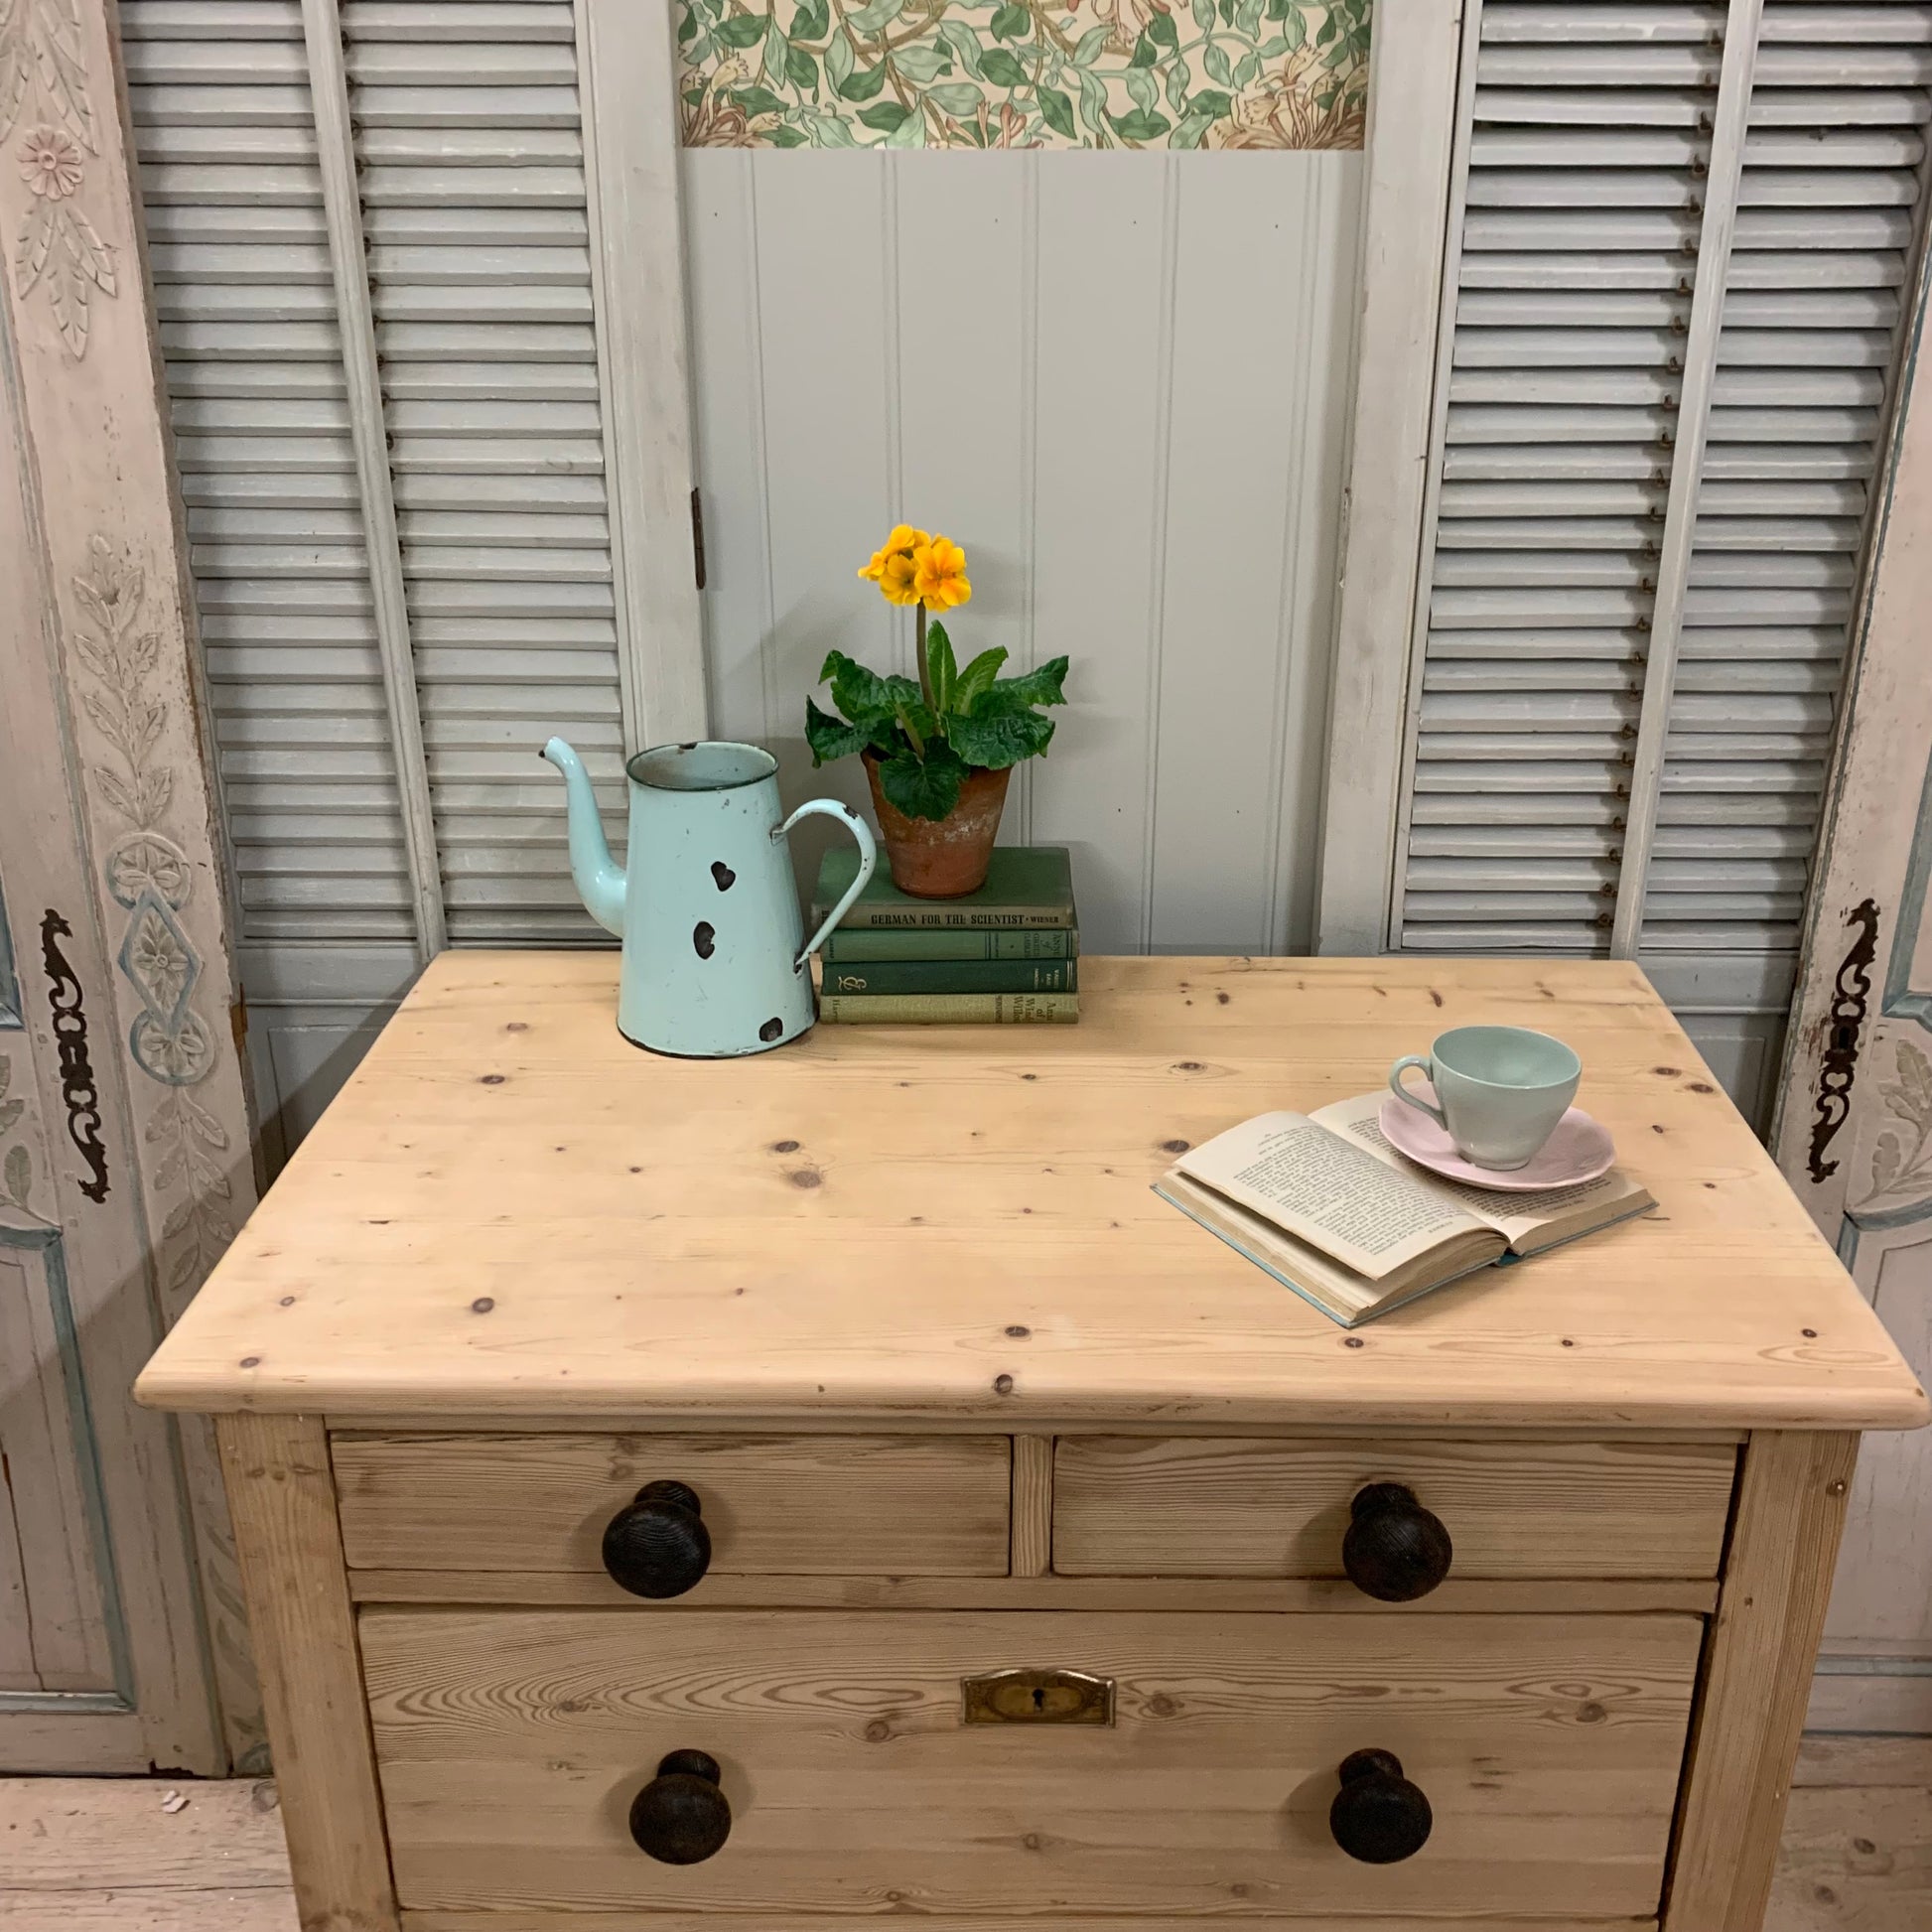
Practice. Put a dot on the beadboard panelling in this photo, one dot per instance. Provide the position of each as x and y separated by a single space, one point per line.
1121 382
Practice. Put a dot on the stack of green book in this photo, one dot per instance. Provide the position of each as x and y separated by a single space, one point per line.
1007 954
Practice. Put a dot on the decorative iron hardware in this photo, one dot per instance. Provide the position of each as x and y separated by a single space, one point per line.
77 1089
1850 990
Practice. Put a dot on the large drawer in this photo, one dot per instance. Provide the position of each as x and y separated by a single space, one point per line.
776 1505
1205 1506
512 1743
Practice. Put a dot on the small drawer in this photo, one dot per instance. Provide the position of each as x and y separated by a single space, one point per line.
770 1505
1204 1506
806 1764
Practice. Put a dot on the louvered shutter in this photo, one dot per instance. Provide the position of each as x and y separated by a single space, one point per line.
469 170
1575 251
1826 221
246 312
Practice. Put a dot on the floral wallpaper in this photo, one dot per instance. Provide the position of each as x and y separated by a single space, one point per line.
1024 74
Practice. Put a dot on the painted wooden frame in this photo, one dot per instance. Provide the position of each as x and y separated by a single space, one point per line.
105 757
1412 118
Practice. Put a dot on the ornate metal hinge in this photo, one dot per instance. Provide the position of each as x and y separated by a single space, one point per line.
77 1070
1850 990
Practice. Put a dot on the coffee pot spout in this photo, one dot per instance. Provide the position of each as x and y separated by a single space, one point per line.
598 877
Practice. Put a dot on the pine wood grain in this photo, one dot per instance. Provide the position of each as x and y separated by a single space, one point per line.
1751 1707
826 1505
1032 1505
282 1498
1284 1595
511 1210
1183 1506
512 1744
1854 1861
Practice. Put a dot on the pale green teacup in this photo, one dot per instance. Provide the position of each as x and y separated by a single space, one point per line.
1502 1090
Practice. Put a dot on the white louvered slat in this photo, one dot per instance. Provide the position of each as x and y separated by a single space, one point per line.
1834 57
239 257
1566 364
471 162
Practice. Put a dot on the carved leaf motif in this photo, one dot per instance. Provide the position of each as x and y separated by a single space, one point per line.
96 656
10 1111
88 596
152 795
16 71
117 794
68 292
17 1175
36 244
1886 1160
63 69
92 256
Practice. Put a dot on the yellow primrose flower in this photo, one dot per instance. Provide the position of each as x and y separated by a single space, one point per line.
939 575
898 549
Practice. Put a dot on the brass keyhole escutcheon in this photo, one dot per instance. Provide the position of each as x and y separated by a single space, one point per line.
1037 1696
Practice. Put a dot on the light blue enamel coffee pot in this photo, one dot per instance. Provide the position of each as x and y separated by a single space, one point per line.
706 905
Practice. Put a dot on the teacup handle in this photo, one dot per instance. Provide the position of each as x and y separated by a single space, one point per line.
868 859
1402 1093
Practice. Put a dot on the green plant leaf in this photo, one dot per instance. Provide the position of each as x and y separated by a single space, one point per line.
921 64
1190 130
941 667
810 20
831 738
827 130
1162 30
1177 78
1041 685
1093 100
757 100
1219 66
957 97
743 30
863 696
1146 53
865 84
1211 103
1144 89
1246 72
869 20
1086 50
977 678
1294 28
909 133
1205 15
839 62
801 69
1012 23
1000 740
1057 109
787 137
926 787
964 43
998 66
885 115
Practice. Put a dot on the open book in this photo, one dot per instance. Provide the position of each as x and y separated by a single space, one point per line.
1331 1210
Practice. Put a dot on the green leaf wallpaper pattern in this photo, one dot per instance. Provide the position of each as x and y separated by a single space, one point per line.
1024 74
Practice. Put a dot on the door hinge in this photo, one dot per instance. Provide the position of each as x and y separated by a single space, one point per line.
697 533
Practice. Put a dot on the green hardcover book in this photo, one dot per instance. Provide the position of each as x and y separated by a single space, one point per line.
1026 886
849 948
953 976
950 1009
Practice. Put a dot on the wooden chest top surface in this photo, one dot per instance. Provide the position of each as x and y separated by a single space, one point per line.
512 1211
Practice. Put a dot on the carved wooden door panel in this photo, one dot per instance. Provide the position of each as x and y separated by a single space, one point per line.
124 1143
1853 1133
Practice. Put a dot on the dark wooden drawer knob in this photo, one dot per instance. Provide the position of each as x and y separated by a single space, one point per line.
1395 1550
1378 1816
681 1817
658 1544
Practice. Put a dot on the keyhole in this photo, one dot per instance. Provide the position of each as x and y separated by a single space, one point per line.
1039 1698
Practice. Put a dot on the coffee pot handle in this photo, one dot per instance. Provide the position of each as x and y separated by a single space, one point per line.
868 859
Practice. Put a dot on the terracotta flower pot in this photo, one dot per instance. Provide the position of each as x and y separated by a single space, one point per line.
942 858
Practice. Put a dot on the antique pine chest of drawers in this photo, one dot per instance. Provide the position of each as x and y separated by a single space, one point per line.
786 1493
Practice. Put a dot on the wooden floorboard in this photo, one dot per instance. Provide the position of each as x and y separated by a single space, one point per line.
104 1854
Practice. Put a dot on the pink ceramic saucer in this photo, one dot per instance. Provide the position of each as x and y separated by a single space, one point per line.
1579 1150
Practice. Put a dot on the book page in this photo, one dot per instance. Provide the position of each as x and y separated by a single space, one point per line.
1516 1217
1328 1191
